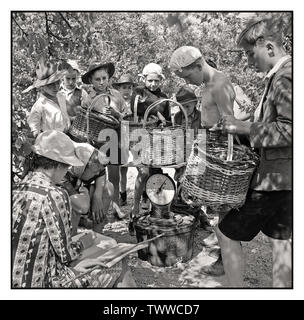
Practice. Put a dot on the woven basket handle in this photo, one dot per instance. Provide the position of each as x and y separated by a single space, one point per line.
135 108
156 103
89 109
230 147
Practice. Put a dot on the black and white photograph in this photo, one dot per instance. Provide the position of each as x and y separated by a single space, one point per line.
151 149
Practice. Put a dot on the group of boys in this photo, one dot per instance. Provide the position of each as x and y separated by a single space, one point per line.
268 207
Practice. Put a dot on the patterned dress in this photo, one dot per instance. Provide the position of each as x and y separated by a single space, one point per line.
41 237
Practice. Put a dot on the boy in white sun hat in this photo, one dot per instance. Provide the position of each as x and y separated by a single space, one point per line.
149 92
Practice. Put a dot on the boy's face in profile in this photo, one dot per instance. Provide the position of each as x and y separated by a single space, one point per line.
70 78
126 90
191 75
257 56
152 81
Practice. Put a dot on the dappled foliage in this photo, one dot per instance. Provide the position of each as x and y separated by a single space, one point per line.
128 39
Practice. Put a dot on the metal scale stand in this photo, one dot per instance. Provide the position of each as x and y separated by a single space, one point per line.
177 229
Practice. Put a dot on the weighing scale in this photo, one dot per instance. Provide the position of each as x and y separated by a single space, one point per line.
177 229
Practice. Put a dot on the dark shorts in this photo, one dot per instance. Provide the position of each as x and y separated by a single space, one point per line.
269 212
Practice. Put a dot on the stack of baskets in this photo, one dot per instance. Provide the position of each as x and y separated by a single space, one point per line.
212 180
88 123
165 146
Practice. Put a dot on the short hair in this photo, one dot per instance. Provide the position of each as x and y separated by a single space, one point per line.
45 163
211 63
260 30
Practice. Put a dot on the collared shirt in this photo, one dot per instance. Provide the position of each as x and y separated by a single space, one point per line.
267 78
194 120
73 100
42 244
117 102
48 115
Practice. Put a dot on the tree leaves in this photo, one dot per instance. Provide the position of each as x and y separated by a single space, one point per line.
130 40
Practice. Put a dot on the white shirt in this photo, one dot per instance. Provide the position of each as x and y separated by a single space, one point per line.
48 115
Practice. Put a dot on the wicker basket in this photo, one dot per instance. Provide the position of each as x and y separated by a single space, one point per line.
162 147
88 123
217 180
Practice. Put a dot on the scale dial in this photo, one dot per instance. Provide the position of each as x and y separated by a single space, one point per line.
160 189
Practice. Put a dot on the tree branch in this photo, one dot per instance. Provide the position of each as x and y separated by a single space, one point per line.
48 31
65 20
19 26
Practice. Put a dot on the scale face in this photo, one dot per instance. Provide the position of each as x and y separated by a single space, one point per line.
160 189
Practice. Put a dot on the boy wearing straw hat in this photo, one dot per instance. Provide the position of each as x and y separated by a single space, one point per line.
49 111
98 76
87 197
187 98
268 207
125 86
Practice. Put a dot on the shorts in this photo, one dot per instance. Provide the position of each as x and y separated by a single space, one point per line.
269 212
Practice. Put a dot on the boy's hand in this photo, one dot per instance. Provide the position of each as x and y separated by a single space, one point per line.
234 126
87 264
107 110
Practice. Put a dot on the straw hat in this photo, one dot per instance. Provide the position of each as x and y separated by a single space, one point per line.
96 66
57 146
125 78
84 152
47 72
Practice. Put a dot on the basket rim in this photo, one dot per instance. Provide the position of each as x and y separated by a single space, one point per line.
100 116
254 157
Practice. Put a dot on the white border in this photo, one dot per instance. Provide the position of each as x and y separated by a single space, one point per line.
148 294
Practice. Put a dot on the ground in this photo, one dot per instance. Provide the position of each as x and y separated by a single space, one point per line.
258 255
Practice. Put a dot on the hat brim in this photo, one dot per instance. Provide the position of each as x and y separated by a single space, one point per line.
110 66
40 83
124 82
70 160
187 101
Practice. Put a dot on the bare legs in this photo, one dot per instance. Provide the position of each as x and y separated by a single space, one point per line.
113 174
233 259
281 259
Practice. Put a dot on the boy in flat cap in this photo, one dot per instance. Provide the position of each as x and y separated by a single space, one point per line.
188 63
